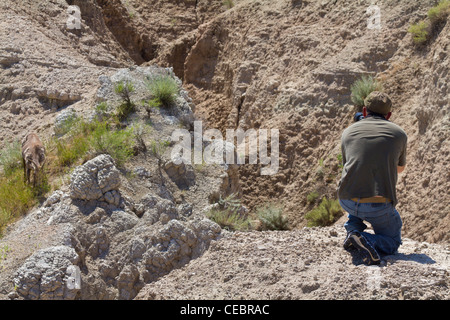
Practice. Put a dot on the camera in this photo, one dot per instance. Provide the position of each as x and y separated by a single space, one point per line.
358 116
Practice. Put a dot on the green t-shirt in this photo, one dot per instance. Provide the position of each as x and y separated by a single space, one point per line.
372 148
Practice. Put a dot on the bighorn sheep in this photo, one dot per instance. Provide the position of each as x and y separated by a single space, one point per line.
33 156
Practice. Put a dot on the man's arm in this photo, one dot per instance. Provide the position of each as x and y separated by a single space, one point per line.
400 169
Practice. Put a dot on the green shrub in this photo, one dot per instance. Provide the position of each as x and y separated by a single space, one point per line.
361 88
16 197
11 157
230 220
68 151
272 217
124 90
436 15
325 214
419 32
439 12
96 137
227 214
164 90
231 202
312 197
228 4
117 143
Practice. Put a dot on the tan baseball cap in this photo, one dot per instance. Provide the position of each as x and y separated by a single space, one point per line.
378 102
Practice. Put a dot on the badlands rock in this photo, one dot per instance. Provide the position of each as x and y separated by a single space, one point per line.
95 179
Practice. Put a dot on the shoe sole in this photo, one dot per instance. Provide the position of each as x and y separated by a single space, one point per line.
357 242
348 245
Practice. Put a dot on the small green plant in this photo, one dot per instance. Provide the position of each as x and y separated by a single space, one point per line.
361 88
325 214
439 12
158 148
124 89
272 217
164 90
422 31
16 197
117 143
4 251
228 4
68 151
102 107
229 220
340 161
312 197
231 202
419 32
226 214
150 105
11 157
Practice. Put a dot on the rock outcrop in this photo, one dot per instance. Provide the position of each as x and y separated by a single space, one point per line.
118 245
97 179
45 275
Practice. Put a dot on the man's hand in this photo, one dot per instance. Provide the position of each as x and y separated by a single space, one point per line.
400 169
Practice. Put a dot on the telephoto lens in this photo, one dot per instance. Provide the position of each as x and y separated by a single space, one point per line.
358 116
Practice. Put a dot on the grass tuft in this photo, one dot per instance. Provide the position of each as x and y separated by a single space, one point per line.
164 90
272 217
361 88
325 214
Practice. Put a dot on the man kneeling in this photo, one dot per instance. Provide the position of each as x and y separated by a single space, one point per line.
373 153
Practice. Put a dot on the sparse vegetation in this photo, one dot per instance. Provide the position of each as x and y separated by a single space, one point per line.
272 217
164 90
4 251
124 89
229 220
158 148
440 12
312 197
101 111
92 138
228 4
423 30
325 214
226 214
117 143
16 196
419 32
11 157
361 88
340 161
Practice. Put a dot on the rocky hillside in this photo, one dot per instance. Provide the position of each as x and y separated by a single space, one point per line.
246 64
290 64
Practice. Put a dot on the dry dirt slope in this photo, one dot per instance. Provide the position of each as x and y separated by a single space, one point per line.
304 264
290 64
